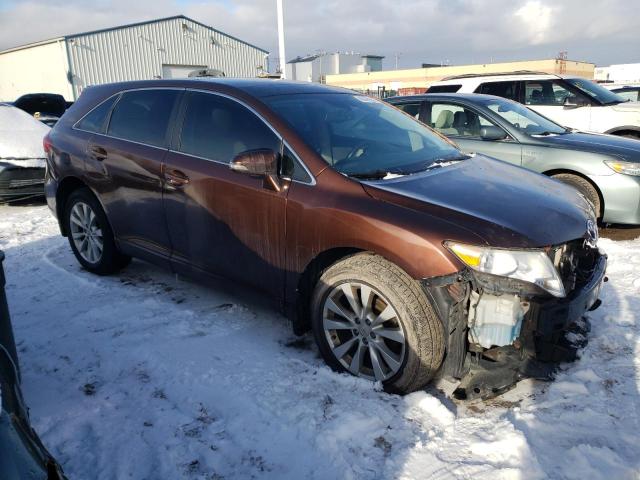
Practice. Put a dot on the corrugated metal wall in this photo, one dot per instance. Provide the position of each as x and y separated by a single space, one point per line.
138 52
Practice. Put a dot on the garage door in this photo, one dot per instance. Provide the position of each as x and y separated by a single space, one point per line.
179 71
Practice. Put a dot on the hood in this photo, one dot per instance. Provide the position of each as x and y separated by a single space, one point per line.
626 148
20 134
507 206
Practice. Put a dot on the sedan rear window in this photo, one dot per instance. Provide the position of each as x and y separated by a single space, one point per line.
444 88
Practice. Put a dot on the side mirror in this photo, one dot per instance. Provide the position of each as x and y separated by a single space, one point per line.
261 162
492 133
574 102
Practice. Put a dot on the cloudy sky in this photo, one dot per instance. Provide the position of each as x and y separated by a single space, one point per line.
430 31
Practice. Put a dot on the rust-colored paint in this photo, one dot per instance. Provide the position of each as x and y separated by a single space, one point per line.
202 217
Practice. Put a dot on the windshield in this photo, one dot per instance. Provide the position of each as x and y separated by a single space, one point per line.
363 137
601 94
525 120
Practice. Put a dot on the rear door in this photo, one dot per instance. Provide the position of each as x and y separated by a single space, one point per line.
223 222
124 167
462 124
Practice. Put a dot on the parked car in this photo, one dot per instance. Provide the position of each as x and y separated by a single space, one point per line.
403 255
604 168
628 92
574 102
21 154
22 455
45 107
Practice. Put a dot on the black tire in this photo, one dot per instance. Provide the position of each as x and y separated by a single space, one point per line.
583 186
423 330
635 136
110 259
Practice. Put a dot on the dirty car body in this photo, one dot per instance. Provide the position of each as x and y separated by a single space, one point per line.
359 221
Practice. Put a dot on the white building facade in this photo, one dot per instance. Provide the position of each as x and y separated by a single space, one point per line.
621 73
165 48
313 68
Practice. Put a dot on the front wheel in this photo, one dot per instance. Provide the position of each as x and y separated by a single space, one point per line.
372 320
583 186
90 234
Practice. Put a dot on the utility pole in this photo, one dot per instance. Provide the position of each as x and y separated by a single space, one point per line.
397 58
283 62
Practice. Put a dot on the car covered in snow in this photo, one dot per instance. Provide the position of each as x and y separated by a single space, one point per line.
604 168
22 455
22 161
406 257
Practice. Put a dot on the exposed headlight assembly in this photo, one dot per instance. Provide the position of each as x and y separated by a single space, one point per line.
532 266
627 168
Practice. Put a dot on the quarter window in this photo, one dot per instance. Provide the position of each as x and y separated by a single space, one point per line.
96 119
500 89
457 121
218 129
143 116
412 109
292 168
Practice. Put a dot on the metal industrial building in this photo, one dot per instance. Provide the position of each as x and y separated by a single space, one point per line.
314 68
164 48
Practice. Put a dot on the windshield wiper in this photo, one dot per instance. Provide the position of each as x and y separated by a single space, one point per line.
371 175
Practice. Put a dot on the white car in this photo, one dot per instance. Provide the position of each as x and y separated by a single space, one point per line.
22 157
570 101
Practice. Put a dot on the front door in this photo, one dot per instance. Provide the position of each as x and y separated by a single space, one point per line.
223 222
548 97
124 167
462 125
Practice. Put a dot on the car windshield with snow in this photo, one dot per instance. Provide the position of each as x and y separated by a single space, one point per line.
404 256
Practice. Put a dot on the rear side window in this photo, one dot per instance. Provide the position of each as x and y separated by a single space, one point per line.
444 88
143 116
96 120
412 109
499 89
217 128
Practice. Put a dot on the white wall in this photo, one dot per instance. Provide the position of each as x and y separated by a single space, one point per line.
38 69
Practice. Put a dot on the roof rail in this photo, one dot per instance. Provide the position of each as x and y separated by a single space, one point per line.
497 74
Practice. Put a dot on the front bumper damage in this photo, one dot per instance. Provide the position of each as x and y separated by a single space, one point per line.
550 330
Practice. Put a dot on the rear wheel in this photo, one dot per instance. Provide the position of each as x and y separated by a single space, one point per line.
583 186
372 320
90 234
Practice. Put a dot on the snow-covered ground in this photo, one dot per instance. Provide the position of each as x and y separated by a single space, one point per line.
146 376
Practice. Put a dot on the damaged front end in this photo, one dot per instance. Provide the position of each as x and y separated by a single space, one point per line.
507 326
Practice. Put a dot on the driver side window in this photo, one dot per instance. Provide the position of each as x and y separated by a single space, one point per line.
457 121
548 93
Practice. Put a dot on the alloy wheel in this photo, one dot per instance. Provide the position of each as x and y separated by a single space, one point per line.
86 232
363 331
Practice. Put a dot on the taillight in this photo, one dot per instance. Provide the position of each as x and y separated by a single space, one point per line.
46 143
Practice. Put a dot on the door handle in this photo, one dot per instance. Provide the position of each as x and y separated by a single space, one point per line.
97 153
176 178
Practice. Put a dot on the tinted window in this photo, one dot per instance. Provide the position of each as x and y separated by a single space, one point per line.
292 168
412 109
361 136
96 119
456 120
143 116
218 128
500 89
593 90
444 89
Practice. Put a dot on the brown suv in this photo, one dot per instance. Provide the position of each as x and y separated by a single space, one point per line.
404 256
